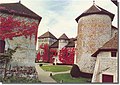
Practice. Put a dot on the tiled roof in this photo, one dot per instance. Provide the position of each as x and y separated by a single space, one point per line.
115 2
71 42
18 9
55 44
111 45
47 35
63 37
114 27
94 9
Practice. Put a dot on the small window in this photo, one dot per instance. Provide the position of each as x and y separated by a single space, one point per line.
68 53
42 52
113 54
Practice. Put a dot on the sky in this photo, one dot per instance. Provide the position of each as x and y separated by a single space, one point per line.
58 16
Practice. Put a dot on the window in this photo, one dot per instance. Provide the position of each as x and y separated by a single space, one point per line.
113 54
42 52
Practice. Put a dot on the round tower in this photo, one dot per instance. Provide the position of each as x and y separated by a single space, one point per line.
94 29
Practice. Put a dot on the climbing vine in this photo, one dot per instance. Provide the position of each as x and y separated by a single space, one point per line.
66 55
11 27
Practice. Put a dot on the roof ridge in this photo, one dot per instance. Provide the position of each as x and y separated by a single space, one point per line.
64 36
47 34
19 9
95 9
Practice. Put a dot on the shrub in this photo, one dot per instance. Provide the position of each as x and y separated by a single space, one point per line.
41 65
75 71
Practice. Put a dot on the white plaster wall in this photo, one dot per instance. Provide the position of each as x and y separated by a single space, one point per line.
75 60
113 32
62 43
93 31
104 54
105 64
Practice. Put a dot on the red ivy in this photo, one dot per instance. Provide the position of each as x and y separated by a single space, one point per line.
66 55
47 53
10 27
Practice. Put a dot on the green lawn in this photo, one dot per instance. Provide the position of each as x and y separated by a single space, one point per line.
68 79
56 68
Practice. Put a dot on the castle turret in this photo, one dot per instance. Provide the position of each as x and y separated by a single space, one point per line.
63 41
94 29
47 38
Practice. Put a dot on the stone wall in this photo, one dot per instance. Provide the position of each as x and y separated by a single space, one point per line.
93 31
25 54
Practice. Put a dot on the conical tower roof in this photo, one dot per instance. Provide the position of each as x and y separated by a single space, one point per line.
63 37
47 35
94 9
18 9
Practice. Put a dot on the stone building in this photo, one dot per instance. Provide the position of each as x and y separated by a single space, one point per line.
18 27
51 51
46 38
44 41
94 30
106 65
63 41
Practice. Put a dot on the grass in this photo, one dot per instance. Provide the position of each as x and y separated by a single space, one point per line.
56 68
68 79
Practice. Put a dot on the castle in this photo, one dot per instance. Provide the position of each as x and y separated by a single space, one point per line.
97 44
57 51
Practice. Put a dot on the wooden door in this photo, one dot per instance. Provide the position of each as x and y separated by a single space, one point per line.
107 78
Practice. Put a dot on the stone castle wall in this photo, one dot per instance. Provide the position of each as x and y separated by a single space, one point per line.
25 55
93 32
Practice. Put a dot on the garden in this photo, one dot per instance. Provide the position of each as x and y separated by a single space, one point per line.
70 77
66 78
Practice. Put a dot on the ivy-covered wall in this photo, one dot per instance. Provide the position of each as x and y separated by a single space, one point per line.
20 32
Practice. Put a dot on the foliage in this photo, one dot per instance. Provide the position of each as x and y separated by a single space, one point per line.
75 71
66 55
19 80
48 54
12 27
56 68
66 78
53 53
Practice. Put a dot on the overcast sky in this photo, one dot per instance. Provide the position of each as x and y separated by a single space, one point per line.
58 16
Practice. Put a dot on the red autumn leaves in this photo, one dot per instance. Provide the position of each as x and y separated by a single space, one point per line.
11 27
66 54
